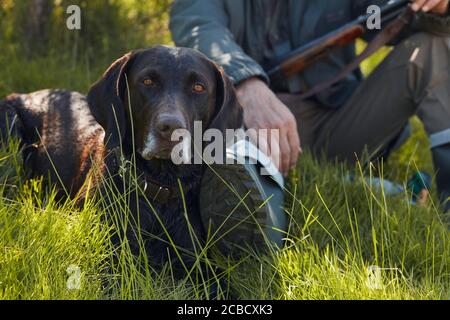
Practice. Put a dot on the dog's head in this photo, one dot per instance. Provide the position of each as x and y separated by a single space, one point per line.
148 94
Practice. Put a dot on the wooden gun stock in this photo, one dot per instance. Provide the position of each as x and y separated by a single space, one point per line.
342 38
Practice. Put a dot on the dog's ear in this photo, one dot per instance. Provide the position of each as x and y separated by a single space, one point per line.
107 100
228 113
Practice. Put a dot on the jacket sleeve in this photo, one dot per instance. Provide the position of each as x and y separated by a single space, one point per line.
202 25
427 22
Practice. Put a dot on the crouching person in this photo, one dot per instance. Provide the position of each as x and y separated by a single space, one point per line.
344 121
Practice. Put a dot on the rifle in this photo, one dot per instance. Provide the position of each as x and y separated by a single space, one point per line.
396 13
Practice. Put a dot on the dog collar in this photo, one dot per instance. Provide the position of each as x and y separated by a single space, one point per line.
159 193
153 190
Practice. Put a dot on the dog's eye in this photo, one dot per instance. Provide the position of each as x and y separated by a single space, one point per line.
198 88
148 82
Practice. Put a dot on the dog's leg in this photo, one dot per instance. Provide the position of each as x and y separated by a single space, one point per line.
11 126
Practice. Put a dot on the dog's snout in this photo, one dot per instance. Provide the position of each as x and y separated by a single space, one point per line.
167 124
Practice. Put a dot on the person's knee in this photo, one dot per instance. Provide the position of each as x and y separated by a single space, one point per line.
427 51
425 59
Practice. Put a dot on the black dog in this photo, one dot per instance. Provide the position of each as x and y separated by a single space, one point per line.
137 104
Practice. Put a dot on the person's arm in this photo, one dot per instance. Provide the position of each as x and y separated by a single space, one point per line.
263 110
203 25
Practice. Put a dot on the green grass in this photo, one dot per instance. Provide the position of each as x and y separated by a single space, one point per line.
338 230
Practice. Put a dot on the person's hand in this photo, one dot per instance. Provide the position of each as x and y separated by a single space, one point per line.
434 6
263 110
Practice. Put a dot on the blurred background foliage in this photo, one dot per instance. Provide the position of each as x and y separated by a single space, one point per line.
108 26
39 51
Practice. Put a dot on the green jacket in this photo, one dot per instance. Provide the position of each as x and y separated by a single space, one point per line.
230 32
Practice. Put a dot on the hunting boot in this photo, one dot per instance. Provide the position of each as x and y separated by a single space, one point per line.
241 203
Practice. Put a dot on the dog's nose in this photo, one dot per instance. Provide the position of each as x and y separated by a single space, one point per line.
167 124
